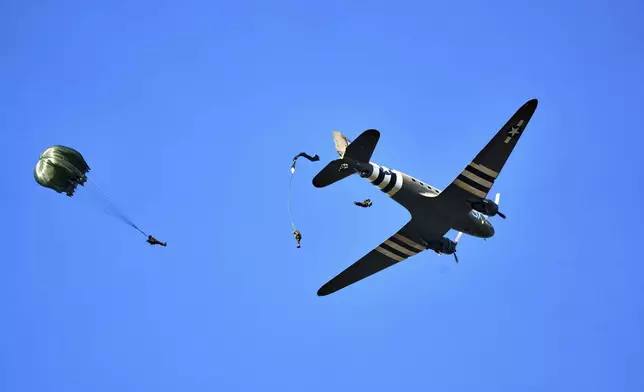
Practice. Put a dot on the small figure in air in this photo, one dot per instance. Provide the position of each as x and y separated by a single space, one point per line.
298 237
366 203
153 241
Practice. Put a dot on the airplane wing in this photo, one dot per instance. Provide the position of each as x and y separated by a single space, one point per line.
400 246
475 181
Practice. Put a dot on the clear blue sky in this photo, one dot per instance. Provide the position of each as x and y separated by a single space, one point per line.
189 114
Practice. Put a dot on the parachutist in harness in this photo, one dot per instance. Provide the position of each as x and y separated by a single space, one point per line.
366 203
153 241
298 237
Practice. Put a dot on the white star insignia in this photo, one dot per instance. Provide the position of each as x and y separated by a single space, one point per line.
513 132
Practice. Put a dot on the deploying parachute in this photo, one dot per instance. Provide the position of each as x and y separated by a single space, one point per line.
63 169
296 232
305 155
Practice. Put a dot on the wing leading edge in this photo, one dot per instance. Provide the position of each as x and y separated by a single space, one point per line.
476 180
398 247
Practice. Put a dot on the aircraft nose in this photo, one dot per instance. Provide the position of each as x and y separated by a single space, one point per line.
490 231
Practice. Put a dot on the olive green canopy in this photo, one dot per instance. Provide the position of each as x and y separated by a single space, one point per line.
62 169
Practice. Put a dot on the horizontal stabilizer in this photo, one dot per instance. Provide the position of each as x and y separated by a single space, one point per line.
361 149
331 173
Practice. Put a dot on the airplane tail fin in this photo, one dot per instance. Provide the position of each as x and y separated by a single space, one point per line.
351 155
341 143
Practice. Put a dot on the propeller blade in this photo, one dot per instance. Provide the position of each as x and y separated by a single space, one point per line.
458 237
496 201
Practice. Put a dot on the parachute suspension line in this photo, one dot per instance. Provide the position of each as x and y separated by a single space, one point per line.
116 210
290 181
314 158
97 199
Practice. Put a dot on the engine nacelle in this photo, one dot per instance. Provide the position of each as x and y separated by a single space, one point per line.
444 245
486 207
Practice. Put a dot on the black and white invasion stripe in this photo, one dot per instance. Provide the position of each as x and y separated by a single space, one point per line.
399 247
388 181
476 179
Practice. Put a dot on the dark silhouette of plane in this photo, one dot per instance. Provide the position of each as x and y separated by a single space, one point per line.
462 206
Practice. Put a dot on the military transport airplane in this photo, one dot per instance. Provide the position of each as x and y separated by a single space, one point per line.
462 206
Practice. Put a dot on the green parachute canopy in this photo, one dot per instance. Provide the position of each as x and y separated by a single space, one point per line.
62 169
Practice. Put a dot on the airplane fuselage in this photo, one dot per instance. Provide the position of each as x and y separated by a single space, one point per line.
412 194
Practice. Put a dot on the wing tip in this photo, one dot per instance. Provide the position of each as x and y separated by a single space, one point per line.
324 291
316 183
318 179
